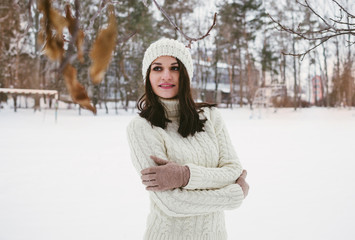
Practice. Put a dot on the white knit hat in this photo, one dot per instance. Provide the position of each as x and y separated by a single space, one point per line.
167 47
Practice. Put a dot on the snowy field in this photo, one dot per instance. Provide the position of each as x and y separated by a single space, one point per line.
74 180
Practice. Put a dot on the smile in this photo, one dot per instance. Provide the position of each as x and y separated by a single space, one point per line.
166 86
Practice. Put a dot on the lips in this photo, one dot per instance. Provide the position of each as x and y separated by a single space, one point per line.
166 86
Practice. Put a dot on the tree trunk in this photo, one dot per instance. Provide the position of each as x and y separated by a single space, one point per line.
230 75
337 83
350 79
241 83
248 62
14 97
309 81
294 69
106 95
326 75
216 79
36 80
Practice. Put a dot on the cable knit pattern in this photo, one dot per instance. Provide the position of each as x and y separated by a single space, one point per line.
195 211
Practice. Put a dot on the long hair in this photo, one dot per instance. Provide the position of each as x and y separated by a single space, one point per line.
151 109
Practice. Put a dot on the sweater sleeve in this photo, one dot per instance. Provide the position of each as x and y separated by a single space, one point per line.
145 141
229 167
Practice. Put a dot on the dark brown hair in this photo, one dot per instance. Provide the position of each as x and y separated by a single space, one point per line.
151 109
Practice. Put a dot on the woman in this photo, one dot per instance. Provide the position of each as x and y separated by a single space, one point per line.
182 151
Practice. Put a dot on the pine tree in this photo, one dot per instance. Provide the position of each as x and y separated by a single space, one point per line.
239 22
268 61
179 11
133 17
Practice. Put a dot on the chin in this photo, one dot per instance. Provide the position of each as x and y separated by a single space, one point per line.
169 96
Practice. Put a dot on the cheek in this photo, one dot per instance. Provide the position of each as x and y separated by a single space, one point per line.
152 79
153 82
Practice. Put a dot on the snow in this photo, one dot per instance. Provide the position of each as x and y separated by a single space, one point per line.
74 179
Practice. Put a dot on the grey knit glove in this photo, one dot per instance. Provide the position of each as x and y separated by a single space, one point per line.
166 176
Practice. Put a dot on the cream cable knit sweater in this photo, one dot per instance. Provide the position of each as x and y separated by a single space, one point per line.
195 211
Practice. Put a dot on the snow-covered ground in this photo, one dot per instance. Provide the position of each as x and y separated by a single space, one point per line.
74 180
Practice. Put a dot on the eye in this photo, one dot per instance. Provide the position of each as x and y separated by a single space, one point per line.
157 68
175 68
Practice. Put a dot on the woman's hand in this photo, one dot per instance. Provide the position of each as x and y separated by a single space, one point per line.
244 185
166 176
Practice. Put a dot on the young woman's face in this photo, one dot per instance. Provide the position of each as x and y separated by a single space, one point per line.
164 76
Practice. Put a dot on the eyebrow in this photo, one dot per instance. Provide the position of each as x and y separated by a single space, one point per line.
158 63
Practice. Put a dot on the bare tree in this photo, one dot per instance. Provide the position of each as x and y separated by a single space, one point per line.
188 38
316 33
328 28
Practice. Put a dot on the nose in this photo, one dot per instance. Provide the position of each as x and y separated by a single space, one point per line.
166 74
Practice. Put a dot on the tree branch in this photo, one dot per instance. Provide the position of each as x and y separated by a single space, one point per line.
314 12
302 35
342 8
314 47
345 23
126 38
4 18
330 31
69 58
102 6
92 20
190 39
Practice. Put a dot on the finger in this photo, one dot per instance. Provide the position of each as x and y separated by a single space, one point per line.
159 161
151 183
153 188
150 170
244 174
148 177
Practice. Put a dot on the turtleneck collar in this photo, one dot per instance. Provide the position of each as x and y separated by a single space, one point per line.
171 107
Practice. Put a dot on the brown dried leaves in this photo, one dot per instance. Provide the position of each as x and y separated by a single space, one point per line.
76 90
53 25
51 34
101 51
73 29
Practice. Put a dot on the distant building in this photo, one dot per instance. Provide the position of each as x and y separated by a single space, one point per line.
204 85
272 95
